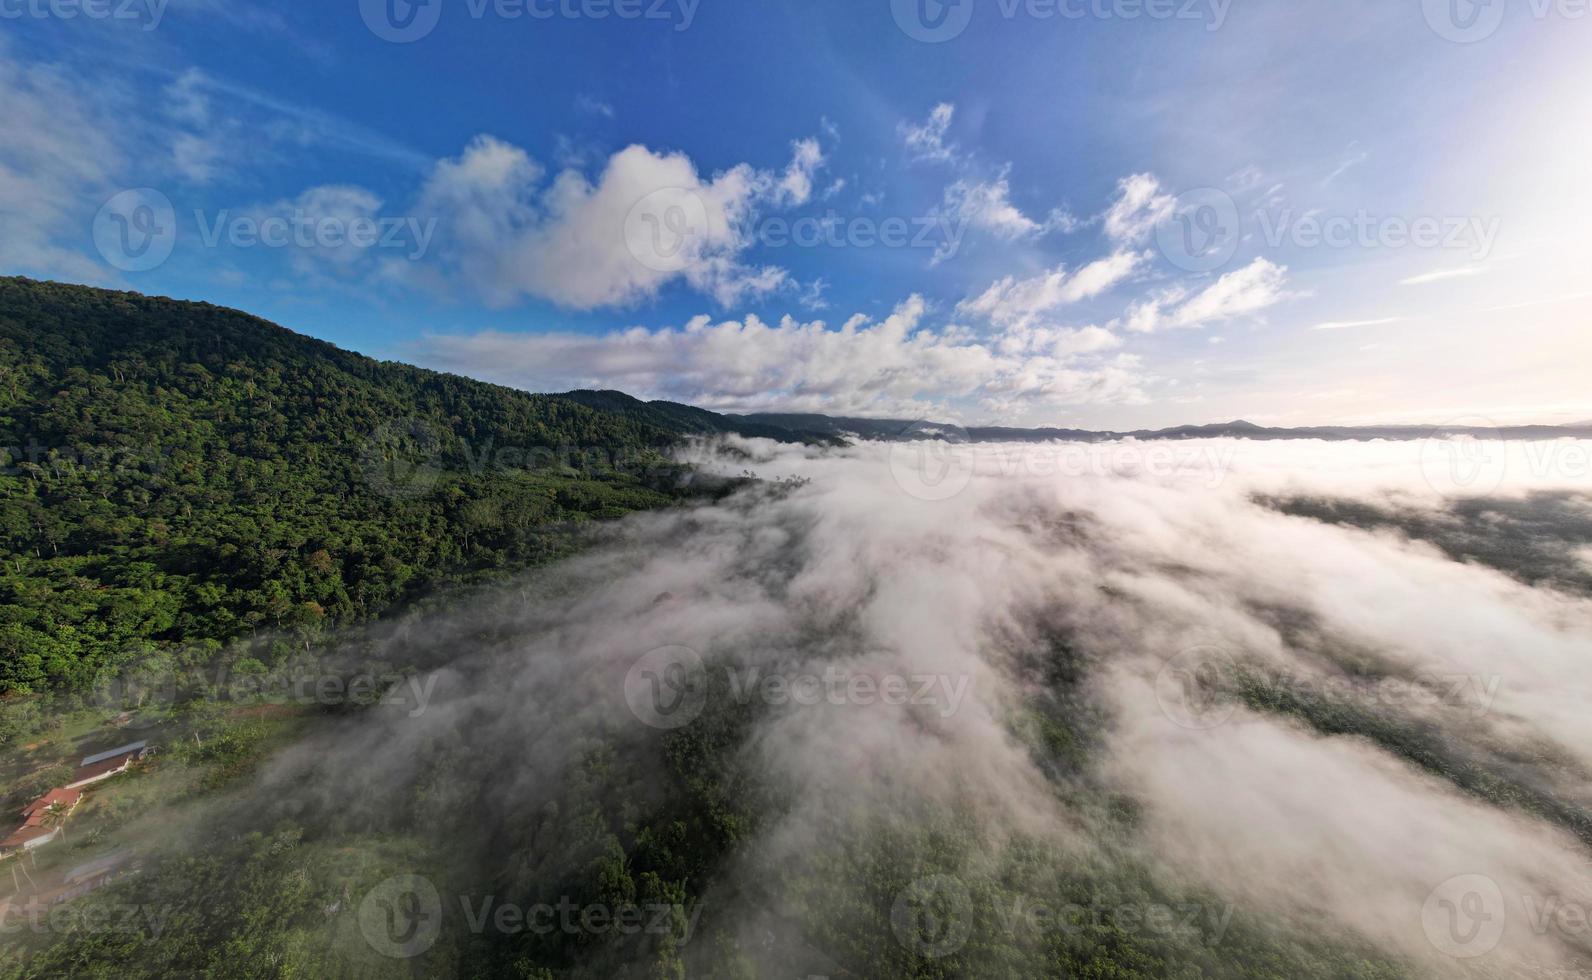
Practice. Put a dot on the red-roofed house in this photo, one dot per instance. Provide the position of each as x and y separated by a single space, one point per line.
104 765
68 798
37 829
27 837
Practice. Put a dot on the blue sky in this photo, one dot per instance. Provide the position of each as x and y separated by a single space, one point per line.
1099 212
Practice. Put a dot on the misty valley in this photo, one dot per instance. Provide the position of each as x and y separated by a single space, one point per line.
664 693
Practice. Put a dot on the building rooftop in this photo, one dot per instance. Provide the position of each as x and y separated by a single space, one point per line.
66 797
113 753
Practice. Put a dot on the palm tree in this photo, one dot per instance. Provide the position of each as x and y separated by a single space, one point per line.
55 816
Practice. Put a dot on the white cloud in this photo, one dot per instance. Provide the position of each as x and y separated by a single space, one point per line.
337 207
1353 158
896 366
812 297
611 242
594 106
186 99
1140 206
1060 343
1350 324
506 236
195 157
1247 177
987 206
57 159
1251 289
926 140
1013 302
1439 275
796 186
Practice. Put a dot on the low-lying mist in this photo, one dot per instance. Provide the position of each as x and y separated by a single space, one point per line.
1210 708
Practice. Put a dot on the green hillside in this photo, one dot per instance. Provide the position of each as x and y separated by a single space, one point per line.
698 421
182 472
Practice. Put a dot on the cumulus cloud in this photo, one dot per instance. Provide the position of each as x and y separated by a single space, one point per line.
507 231
1141 204
1243 292
894 366
507 235
1012 302
986 205
796 185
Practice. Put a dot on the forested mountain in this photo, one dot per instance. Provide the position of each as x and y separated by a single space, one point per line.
699 421
898 430
183 472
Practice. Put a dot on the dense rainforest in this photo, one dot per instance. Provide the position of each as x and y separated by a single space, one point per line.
183 481
182 473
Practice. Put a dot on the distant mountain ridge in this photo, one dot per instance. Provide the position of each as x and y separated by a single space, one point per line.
889 430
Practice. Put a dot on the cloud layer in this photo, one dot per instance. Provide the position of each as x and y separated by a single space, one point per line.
1206 649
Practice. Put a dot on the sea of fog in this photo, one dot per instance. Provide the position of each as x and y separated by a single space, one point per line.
984 708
